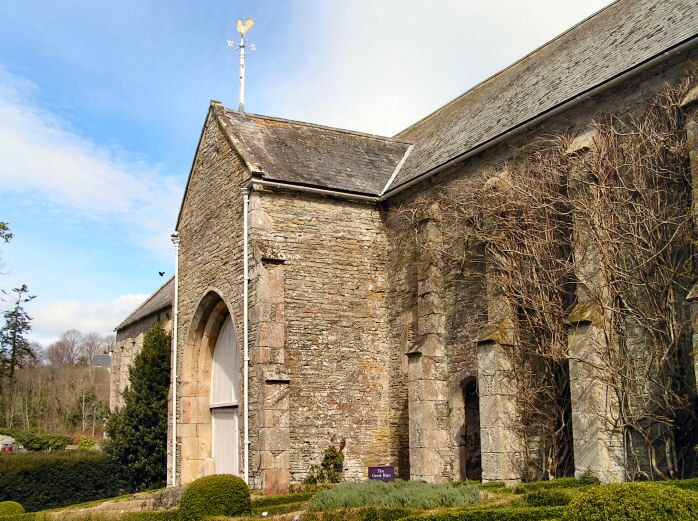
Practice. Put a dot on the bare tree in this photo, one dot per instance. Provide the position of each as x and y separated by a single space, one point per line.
66 350
93 344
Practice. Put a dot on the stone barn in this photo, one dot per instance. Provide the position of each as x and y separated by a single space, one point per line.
130 334
304 312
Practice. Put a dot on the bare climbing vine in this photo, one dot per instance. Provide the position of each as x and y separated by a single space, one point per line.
604 230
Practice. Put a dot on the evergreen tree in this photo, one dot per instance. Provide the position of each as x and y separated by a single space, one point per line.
138 432
15 348
5 236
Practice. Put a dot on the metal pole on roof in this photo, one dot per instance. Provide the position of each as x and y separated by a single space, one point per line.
242 29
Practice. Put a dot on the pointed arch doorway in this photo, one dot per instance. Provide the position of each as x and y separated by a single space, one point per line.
224 396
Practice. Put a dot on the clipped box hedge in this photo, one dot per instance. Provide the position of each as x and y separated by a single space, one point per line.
494 514
634 502
547 498
584 481
283 508
10 508
686 484
41 481
281 499
215 495
359 514
161 515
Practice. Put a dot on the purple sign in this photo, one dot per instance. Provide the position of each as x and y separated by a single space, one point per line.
381 473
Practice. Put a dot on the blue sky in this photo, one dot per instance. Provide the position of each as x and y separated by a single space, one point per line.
101 105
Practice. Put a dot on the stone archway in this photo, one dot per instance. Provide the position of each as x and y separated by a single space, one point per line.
205 415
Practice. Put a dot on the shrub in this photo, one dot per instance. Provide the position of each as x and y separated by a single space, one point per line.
281 499
633 502
36 441
556 483
403 494
331 469
87 443
275 510
220 494
359 514
588 479
494 514
48 480
138 432
162 515
10 508
686 484
491 485
547 498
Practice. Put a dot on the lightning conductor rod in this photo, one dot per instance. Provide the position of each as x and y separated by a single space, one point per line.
242 29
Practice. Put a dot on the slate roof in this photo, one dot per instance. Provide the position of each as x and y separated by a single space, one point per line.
159 300
101 360
615 39
314 155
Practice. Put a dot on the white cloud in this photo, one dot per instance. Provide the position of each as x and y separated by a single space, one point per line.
380 66
51 320
41 153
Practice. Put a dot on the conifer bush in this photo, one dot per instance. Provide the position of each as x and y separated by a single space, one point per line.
633 502
217 495
138 432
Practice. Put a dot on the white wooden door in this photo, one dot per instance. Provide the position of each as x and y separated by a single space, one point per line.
225 384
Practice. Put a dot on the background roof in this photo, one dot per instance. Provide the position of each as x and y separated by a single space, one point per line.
161 299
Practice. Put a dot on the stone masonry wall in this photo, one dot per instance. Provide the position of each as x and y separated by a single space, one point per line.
336 347
461 298
210 231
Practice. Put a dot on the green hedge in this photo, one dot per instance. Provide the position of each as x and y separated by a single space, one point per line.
686 484
219 494
359 514
547 498
491 485
281 499
633 502
284 508
41 481
36 441
402 494
556 483
494 514
162 515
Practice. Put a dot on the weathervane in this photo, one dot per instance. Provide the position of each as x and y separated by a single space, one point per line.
242 29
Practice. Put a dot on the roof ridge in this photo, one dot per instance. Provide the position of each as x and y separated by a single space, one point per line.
151 297
320 126
502 71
